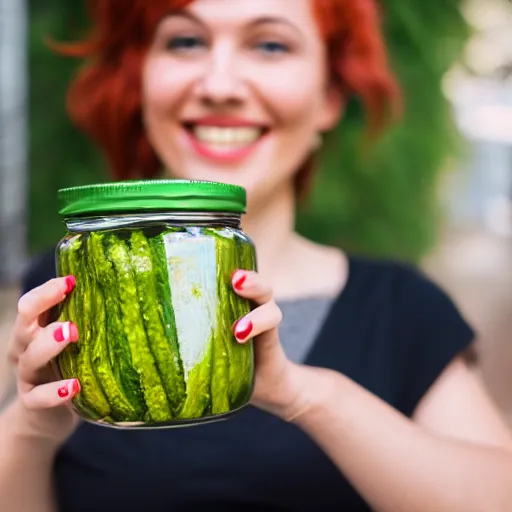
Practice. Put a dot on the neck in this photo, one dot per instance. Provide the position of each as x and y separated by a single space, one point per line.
271 226
293 266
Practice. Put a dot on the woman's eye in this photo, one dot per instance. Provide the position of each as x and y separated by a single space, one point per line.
272 47
185 43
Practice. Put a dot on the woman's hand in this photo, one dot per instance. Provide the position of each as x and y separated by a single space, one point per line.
43 404
280 386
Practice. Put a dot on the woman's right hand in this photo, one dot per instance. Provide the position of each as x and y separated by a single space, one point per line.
44 403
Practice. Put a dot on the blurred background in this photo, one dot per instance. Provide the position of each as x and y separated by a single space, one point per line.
436 190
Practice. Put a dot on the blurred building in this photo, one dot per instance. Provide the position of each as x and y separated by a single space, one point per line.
480 195
13 138
473 259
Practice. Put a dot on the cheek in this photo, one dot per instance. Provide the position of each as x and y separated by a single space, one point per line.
293 107
162 94
163 86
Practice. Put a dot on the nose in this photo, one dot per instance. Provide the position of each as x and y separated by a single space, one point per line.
220 82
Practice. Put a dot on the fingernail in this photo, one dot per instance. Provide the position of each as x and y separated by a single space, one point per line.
63 391
239 280
70 284
242 329
75 387
71 388
68 331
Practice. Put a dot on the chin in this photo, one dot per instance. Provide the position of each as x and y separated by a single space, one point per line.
233 175
257 187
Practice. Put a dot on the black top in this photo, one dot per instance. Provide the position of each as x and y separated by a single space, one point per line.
391 330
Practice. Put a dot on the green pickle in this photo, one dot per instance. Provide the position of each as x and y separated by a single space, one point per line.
155 311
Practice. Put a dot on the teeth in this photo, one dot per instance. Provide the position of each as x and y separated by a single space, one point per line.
224 136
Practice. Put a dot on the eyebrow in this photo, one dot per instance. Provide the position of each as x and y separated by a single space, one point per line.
184 14
263 20
274 20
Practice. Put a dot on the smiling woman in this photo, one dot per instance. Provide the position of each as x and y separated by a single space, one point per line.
267 47
362 396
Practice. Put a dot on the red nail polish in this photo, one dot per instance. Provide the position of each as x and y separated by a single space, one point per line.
242 331
63 391
73 332
70 284
59 334
239 282
66 331
75 388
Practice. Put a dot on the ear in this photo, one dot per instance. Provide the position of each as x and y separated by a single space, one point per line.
332 109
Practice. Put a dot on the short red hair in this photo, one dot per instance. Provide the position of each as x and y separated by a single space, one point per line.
105 99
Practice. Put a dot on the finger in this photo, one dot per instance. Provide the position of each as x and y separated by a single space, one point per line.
32 306
50 342
251 285
50 395
41 299
264 319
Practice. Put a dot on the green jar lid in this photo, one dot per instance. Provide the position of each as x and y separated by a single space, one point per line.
151 195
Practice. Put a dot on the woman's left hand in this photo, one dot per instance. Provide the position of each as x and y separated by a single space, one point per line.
279 382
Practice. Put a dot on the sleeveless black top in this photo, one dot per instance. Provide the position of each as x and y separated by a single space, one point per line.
391 330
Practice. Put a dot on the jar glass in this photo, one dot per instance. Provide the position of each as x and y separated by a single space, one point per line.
153 302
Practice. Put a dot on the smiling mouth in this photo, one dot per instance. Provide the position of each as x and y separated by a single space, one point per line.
224 139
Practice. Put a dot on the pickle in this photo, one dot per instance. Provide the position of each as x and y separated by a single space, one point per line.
133 326
121 409
91 392
116 340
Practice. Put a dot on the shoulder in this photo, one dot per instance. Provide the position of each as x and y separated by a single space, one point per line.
40 269
422 306
409 286
430 330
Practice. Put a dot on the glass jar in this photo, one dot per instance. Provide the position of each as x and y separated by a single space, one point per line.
154 303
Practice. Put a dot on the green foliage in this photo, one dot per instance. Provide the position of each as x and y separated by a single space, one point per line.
59 155
383 201
380 200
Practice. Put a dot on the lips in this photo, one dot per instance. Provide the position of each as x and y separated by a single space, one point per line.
224 138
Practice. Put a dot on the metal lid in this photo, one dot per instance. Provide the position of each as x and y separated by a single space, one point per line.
151 195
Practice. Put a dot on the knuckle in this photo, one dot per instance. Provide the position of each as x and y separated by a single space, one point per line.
11 345
278 313
25 305
25 400
14 351
12 357
274 312
22 366
266 295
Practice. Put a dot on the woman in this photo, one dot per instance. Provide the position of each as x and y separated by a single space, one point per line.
363 398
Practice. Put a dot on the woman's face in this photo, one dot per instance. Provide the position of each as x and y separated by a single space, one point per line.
237 91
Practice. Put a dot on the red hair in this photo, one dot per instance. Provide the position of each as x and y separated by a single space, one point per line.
105 100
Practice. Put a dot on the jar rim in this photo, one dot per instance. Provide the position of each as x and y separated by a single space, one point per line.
151 195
